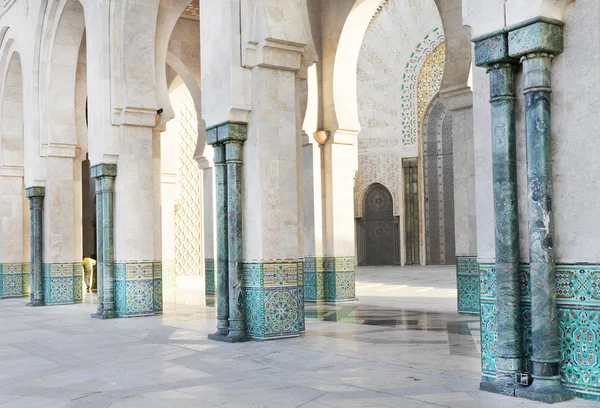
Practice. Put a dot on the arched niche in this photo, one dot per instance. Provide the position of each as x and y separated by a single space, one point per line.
378 229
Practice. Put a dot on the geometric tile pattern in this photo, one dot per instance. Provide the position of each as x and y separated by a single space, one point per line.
62 283
210 277
578 320
467 284
410 113
138 288
273 299
188 223
439 181
13 282
430 80
329 279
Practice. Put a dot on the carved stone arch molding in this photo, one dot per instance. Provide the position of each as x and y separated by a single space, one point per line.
63 28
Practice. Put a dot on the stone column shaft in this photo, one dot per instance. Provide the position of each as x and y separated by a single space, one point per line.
104 176
237 321
536 42
508 291
546 347
222 241
99 254
492 52
36 207
108 249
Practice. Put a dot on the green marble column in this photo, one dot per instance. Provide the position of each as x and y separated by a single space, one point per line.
99 243
108 250
536 42
105 175
227 139
222 244
492 52
237 319
36 208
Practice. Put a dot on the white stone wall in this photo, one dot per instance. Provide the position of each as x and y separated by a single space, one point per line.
391 37
575 150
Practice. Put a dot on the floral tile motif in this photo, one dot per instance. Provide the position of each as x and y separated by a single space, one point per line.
310 279
12 285
280 274
140 297
62 283
579 326
339 279
468 294
158 297
77 289
281 312
138 288
210 279
467 284
255 312
410 81
26 278
12 280
489 339
274 298
580 343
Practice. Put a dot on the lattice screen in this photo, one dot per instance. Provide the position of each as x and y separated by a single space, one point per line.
188 223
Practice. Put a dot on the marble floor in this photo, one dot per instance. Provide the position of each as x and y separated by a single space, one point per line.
400 345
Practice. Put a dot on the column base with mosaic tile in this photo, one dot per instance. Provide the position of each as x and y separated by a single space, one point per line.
138 288
62 283
578 297
14 280
273 298
210 279
329 279
467 284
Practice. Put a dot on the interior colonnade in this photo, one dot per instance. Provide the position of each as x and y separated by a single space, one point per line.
297 121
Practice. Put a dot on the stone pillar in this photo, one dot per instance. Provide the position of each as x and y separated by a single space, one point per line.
62 267
234 139
99 252
105 174
339 260
272 223
14 281
536 42
208 225
222 236
492 52
36 207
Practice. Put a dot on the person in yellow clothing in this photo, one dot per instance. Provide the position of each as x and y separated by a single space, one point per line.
88 267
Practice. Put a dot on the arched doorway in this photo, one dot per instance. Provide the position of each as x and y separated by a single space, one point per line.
379 243
438 177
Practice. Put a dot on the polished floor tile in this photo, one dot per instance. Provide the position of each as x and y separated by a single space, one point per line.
400 345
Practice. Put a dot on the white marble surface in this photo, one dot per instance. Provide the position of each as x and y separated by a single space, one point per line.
59 357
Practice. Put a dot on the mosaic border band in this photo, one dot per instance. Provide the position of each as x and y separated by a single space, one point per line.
138 288
14 280
578 295
62 283
467 285
329 279
274 299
